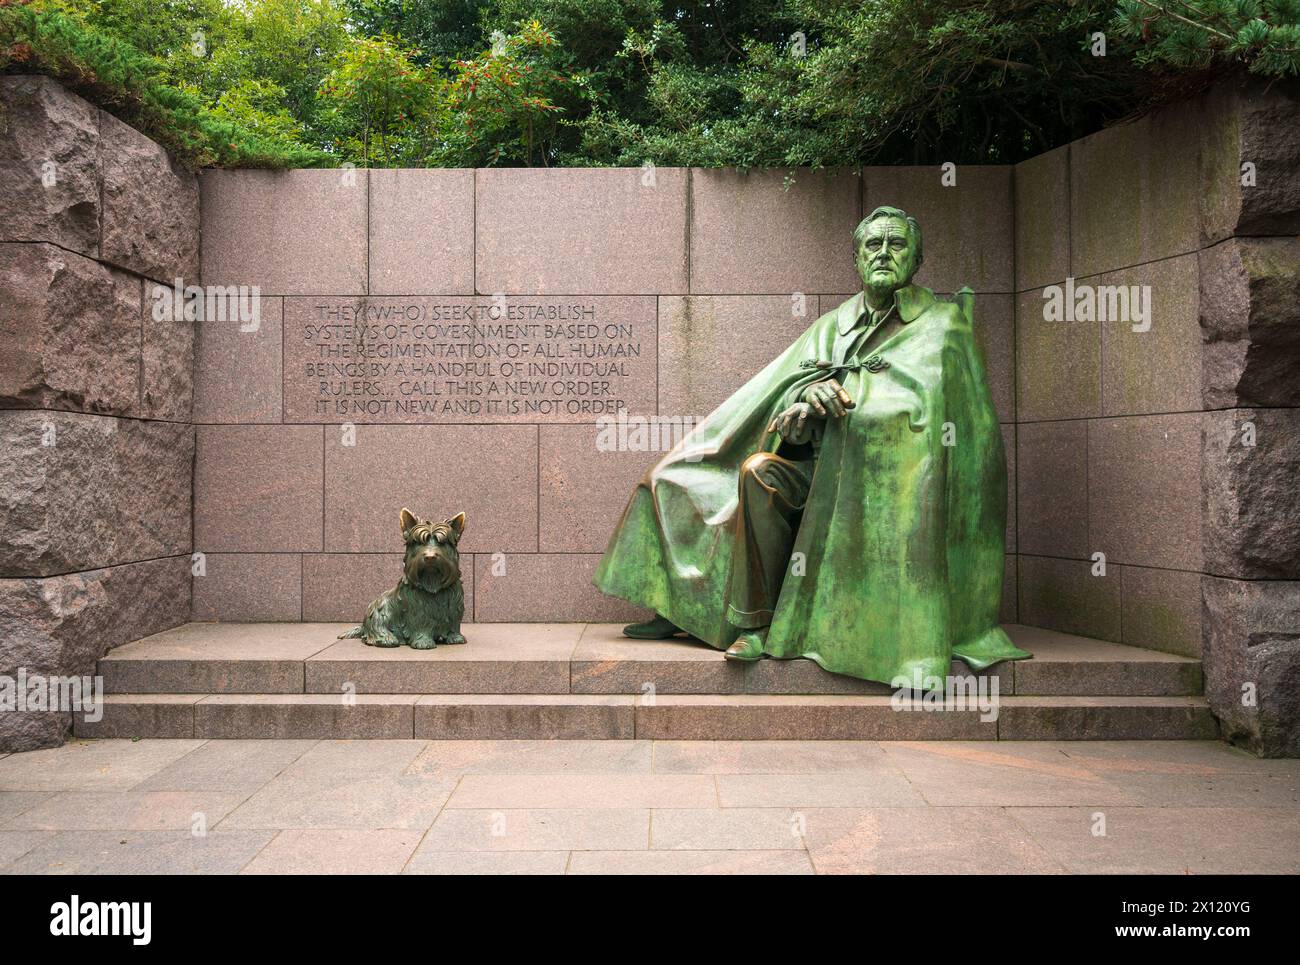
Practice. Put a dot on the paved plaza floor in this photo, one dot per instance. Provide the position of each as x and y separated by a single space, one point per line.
583 807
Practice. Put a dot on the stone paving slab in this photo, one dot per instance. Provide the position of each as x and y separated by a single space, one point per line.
881 787
15 844
14 803
954 840
1172 757
765 757
139 852
128 810
663 807
537 829
584 791
91 765
335 852
240 765
1153 840
730 829
449 758
689 863
374 803
1028 773
487 863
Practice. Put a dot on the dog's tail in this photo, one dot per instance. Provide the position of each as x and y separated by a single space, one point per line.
356 633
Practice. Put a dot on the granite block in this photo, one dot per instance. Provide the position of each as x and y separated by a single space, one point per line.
49 149
425 469
1052 481
1042 219
249 587
606 231
1144 490
1058 363
237 374
523 717
586 481
1153 364
150 207
421 231
70 332
87 490
300 232
1064 595
258 489
541 587
772 231
710 345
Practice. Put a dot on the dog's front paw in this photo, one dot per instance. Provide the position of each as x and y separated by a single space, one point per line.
423 643
455 638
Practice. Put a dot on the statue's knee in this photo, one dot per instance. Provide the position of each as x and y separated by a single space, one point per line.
755 475
755 466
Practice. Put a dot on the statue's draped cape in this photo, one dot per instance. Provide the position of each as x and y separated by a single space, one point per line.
898 561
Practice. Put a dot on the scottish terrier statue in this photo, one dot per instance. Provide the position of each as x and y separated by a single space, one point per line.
428 603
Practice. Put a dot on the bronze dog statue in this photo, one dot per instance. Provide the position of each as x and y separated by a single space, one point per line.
428 603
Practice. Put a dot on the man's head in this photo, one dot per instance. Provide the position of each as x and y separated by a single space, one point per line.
887 249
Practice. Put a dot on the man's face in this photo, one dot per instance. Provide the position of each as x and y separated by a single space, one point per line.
886 258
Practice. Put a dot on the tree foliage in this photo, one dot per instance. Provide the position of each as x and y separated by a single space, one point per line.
600 82
1262 35
53 38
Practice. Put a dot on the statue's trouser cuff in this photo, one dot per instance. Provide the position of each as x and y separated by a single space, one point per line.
773 491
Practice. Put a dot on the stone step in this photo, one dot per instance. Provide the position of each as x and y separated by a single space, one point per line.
575 658
662 717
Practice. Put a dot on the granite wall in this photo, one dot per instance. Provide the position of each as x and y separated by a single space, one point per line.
1167 447
686 282
96 445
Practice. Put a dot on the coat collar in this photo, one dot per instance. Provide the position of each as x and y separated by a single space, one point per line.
912 301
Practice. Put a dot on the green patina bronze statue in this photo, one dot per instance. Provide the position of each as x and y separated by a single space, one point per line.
428 603
847 504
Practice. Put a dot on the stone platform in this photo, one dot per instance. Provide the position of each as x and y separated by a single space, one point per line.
587 681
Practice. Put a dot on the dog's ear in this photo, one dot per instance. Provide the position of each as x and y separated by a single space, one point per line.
457 524
408 520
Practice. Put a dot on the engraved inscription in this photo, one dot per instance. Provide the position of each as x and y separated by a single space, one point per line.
477 360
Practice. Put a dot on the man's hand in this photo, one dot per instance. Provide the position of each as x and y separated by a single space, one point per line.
795 424
828 398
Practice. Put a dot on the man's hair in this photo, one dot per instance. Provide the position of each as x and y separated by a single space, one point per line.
886 211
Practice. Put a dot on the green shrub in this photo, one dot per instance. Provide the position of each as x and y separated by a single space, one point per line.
37 36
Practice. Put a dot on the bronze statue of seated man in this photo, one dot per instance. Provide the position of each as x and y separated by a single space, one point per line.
847 504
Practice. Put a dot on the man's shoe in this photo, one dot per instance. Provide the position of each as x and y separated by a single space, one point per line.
660 628
748 646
